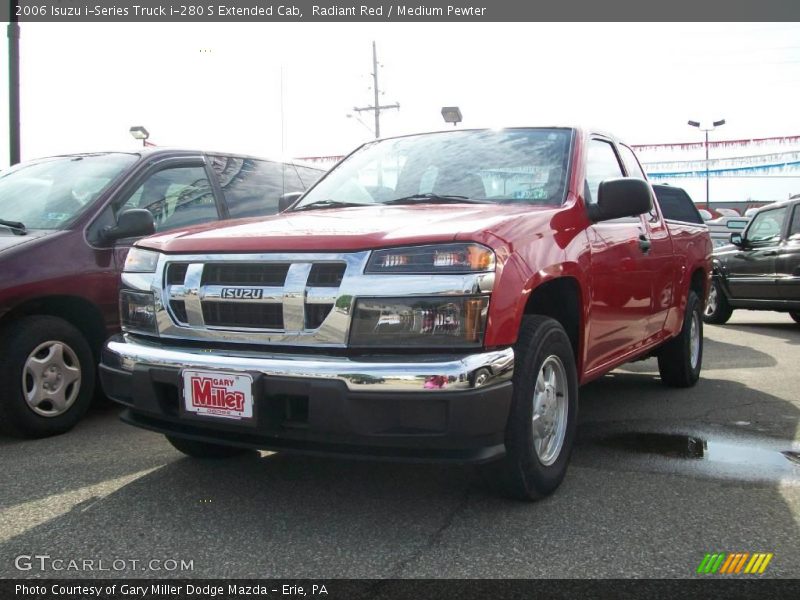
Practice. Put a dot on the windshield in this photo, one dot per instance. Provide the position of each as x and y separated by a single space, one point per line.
50 193
527 166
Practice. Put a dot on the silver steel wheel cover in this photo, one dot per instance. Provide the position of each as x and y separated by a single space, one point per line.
711 304
550 406
694 340
51 379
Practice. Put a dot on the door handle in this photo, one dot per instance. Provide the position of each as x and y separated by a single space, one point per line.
644 243
771 253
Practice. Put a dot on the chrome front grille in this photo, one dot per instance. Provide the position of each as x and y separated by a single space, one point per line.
261 296
245 274
281 299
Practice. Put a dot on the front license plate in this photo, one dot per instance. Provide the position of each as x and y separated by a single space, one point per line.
218 394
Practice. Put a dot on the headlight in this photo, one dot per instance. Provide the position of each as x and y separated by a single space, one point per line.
141 261
137 312
445 258
435 322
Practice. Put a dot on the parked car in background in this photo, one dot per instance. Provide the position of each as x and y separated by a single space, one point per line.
721 229
728 212
705 214
760 269
434 297
66 224
677 205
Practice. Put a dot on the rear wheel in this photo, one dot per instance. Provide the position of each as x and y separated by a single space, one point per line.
198 449
795 316
47 374
717 311
543 416
680 360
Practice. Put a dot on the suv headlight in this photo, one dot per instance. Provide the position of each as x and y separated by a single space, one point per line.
141 261
430 322
441 258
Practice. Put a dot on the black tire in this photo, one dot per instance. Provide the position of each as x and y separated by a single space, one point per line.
795 316
197 449
522 474
718 310
675 362
17 343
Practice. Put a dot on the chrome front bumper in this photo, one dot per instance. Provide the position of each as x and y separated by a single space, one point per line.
377 373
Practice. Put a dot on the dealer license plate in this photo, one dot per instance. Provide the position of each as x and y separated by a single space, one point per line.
218 394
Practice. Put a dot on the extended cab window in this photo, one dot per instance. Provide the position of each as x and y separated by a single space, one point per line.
253 187
176 197
766 226
677 205
602 163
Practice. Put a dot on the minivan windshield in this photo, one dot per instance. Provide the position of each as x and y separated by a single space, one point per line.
50 193
525 166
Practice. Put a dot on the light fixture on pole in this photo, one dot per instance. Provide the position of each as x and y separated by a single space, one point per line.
140 133
706 129
451 114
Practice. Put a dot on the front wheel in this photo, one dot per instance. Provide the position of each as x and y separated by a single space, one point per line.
46 376
795 316
717 311
543 416
681 358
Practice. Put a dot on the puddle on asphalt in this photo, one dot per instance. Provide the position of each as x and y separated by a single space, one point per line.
736 458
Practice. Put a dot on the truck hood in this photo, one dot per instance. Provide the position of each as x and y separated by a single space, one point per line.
352 229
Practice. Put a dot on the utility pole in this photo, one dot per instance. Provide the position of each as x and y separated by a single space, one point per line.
13 86
376 108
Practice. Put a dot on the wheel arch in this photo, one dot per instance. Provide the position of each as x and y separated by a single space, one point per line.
79 312
561 298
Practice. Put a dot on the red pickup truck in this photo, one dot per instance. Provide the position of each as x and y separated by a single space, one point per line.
434 297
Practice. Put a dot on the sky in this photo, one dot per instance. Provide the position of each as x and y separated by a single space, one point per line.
286 89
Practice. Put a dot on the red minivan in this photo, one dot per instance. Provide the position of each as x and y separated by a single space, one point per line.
66 224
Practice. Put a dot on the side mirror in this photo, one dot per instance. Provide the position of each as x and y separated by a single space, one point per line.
134 222
737 240
287 200
624 197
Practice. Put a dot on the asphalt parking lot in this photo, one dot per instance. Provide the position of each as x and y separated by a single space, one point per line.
659 477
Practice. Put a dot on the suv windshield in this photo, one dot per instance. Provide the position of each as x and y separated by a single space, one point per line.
527 166
50 193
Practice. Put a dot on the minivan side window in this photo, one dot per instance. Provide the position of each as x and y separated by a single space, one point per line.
177 197
253 187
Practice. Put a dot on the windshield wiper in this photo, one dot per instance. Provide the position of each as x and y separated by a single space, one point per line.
436 199
327 204
15 226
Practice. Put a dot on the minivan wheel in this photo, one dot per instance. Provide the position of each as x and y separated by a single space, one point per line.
198 449
717 310
680 359
543 415
47 377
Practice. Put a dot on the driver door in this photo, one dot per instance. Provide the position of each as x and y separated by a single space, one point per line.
752 271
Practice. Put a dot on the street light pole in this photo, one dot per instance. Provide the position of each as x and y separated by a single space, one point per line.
13 87
706 129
